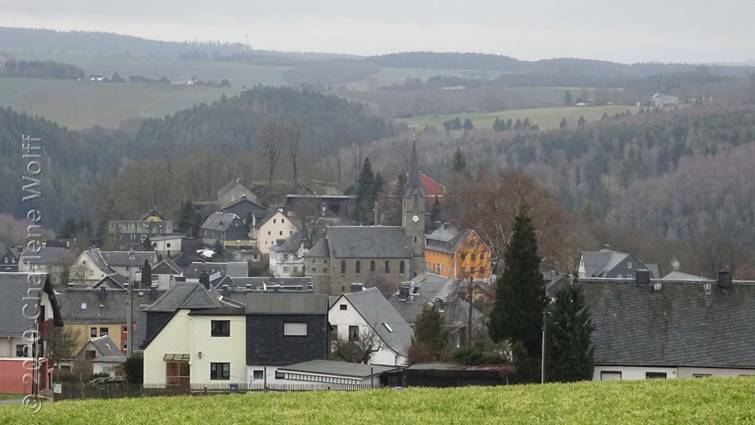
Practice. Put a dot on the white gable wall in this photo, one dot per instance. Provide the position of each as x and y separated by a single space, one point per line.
342 319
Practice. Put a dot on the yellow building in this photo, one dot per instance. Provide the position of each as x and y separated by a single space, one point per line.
457 253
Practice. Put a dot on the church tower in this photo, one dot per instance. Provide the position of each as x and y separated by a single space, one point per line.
413 213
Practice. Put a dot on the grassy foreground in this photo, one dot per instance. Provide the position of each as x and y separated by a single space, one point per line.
698 401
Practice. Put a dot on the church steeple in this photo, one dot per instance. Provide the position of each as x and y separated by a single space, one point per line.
413 182
413 209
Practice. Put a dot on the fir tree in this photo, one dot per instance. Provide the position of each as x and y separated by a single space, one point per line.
430 336
186 217
434 215
146 280
520 299
367 191
569 350
460 163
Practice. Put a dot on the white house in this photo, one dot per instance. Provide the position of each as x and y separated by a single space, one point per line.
169 245
273 227
666 329
367 314
287 257
93 265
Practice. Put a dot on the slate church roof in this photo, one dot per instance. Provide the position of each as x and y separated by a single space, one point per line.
363 242
677 324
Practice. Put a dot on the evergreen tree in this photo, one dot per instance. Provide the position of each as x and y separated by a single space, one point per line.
368 188
460 163
520 295
568 99
569 348
186 217
564 124
430 336
146 280
581 122
468 124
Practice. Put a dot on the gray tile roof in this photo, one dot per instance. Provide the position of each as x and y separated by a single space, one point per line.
96 305
51 256
378 312
13 287
319 249
368 242
679 325
184 295
601 263
219 221
107 351
286 303
123 258
677 276
337 368
291 244
234 269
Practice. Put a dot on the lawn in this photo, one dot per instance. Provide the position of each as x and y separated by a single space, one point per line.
691 401
545 118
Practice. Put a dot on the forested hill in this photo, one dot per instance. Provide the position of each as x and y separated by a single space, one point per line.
327 122
77 161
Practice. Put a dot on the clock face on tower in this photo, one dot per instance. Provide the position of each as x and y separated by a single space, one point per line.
415 218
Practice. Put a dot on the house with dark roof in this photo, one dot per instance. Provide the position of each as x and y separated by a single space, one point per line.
52 260
366 314
286 258
234 191
94 265
248 210
457 253
9 261
612 264
196 337
104 355
661 328
24 296
131 234
226 228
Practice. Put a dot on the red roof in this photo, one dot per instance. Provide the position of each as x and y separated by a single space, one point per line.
431 186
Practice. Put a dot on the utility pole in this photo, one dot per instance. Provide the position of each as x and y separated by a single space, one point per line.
469 318
542 351
130 311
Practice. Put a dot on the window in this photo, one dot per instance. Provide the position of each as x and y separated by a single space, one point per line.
353 333
167 245
220 371
402 267
701 375
258 374
280 233
22 350
220 328
279 375
274 220
463 257
343 266
387 266
372 265
358 267
655 375
471 269
294 329
482 270
91 354
324 269
609 375
283 221
472 257
343 307
125 329
482 256
103 331
92 332
285 269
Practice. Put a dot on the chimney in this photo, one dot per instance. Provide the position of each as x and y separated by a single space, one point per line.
642 277
153 293
357 287
403 292
204 279
724 279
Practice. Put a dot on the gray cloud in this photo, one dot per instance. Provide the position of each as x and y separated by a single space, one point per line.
626 31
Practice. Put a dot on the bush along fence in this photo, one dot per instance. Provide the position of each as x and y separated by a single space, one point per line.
86 390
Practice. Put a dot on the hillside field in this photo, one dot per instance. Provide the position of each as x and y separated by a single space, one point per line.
76 104
546 118
691 401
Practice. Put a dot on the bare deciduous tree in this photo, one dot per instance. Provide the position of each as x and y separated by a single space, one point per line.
359 350
270 137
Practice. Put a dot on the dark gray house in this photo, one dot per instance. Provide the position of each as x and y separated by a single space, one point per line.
9 261
223 227
284 328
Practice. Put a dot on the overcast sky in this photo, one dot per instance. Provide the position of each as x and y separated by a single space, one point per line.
624 31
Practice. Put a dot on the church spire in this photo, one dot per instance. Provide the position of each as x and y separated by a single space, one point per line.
413 182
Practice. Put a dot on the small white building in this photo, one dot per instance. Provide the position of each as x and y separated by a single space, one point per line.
287 257
367 314
104 355
169 245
